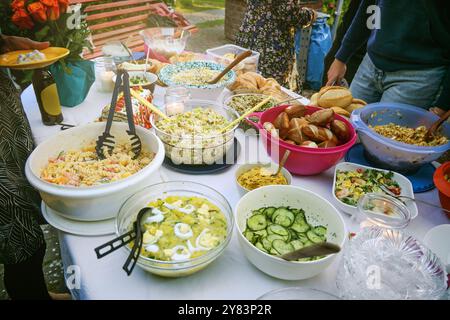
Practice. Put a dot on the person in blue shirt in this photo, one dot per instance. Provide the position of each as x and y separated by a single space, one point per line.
408 53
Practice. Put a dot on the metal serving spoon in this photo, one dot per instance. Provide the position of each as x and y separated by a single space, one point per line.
315 250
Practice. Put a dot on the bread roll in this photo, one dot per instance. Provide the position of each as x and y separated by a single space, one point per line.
321 117
335 97
318 134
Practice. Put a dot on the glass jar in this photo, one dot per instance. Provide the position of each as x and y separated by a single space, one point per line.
175 99
104 73
382 261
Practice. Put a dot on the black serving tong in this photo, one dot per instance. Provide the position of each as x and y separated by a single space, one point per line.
134 234
107 139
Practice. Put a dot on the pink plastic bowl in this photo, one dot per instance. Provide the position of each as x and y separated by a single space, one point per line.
302 161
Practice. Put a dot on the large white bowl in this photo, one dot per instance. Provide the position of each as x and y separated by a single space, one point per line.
318 211
403 182
98 202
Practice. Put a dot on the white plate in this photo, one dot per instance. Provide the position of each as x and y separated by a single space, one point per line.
81 228
404 183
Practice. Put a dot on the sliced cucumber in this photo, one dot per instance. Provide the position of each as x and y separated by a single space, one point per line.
266 243
249 235
297 244
261 233
314 237
282 247
257 222
281 210
269 211
260 247
307 243
293 234
272 237
284 218
302 237
320 231
277 229
300 226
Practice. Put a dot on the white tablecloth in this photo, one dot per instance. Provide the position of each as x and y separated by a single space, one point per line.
231 276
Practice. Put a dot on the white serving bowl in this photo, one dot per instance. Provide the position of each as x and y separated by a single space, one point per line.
318 211
404 183
150 78
246 167
97 202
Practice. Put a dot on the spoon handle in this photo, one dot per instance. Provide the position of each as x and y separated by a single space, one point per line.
238 59
115 244
283 161
424 202
438 123
315 250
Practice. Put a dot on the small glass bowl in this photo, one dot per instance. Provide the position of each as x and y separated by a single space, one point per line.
383 210
129 210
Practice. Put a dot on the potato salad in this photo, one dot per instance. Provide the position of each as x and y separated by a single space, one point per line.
182 228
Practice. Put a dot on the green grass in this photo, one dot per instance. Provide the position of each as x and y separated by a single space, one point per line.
210 24
200 5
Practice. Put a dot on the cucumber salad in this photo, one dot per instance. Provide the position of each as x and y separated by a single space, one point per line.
277 231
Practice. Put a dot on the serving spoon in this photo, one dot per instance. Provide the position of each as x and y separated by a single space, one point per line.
238 59
315 250
430 133
268 172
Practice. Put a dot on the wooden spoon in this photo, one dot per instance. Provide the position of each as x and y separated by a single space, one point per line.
315 250
430 133
238 59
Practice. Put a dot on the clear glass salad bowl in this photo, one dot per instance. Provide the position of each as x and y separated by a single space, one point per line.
128 212
198 149
383 262
297 293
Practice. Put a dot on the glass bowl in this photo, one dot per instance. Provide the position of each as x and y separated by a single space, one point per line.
297 293
383 210
388 264
129 210
200 149
165 43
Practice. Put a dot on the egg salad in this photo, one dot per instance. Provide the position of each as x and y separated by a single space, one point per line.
182 228
352 185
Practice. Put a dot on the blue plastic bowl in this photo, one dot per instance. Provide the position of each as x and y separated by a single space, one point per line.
391 154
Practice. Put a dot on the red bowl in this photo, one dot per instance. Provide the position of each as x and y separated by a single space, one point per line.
303 160
443 185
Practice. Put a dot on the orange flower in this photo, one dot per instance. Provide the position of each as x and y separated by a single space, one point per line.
37 11
52 10
63 4
48 3
21 19
18 4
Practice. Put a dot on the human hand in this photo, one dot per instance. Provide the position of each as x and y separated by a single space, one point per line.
336 72
12 43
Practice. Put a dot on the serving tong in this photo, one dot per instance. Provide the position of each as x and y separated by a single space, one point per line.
135 234
106 140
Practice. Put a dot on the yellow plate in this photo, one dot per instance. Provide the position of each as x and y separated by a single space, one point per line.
52 54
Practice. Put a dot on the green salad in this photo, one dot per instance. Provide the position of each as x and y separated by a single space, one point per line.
350 186
277 231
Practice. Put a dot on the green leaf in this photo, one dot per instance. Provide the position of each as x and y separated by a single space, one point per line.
41 34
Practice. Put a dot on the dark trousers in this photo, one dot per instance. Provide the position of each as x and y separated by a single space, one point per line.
25 280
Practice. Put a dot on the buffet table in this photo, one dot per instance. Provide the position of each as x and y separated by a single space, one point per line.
231 276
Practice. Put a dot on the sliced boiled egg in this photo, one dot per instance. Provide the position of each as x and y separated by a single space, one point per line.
180 253
149 238
187 209
155 218
183 231
205 240
152 248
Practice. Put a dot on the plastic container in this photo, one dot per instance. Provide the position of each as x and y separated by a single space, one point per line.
387 153
442 185
129 210
303 160
248 64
